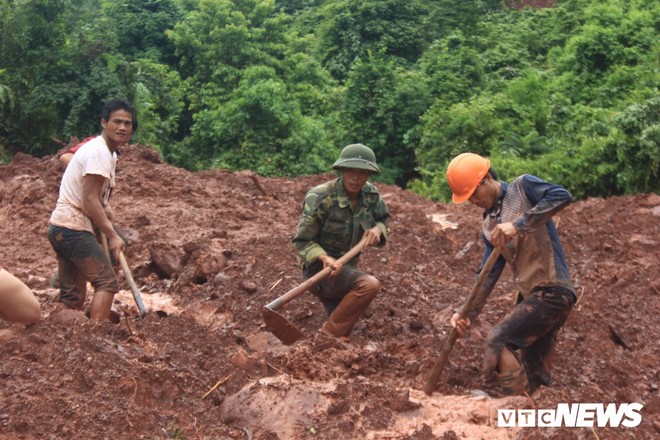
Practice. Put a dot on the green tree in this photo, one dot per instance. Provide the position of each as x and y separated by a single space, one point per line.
159 101
64 62
454 68
448 16
55 73
6 105
254 94
635 141
141 27
382 104
352 28
556 88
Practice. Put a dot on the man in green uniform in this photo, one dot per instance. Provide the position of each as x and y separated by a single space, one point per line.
335 217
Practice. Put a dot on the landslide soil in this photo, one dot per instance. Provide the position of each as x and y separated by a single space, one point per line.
210 249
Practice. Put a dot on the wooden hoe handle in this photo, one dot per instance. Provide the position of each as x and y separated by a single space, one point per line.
127 274
453 336
131 282
308 283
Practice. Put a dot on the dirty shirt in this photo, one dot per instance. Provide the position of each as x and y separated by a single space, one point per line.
94 157
535 254
329 225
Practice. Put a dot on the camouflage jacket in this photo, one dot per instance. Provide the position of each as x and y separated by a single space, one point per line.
328 224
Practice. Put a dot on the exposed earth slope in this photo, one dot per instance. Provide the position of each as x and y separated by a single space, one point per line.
210 249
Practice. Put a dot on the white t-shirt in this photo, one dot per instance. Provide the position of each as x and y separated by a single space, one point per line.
94 157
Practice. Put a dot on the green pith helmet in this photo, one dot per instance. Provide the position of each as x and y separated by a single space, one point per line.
357 156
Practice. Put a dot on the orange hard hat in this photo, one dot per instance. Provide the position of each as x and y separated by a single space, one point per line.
464 173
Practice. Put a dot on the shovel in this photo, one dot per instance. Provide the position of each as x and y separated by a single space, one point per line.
278 324
472 300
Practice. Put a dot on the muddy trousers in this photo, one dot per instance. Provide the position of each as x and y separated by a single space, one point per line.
80 258
345 297
351 307
530 333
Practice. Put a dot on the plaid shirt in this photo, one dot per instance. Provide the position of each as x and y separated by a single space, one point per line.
538 259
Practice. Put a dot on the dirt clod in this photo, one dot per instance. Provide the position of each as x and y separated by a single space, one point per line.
214 247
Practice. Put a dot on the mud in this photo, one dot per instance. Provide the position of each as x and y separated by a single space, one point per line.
208 250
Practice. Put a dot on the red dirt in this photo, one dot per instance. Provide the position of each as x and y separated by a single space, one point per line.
227 243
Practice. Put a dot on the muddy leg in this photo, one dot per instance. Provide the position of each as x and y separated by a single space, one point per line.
536 360
352 306
511 375
73 285
101 304
330 304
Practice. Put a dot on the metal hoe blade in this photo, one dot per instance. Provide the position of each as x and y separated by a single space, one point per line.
276 323
280 327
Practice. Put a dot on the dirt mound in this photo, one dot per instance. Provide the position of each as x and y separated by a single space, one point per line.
209 249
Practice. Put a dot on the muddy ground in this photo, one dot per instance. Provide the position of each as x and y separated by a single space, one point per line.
210 249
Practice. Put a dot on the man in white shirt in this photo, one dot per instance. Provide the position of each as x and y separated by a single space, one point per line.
81 205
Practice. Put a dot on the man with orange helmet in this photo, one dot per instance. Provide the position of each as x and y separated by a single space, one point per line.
518 220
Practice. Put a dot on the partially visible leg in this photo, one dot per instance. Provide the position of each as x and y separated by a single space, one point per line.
351 307
507 361
17 302
532 322
73 287
537 357
511 374
329 291
517 330
82 259
101 304
330 304
55 280
98 270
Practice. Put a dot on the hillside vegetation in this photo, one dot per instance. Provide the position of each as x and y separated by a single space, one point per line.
569 93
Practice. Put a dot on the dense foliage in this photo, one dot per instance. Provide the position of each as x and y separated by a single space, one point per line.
568 93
